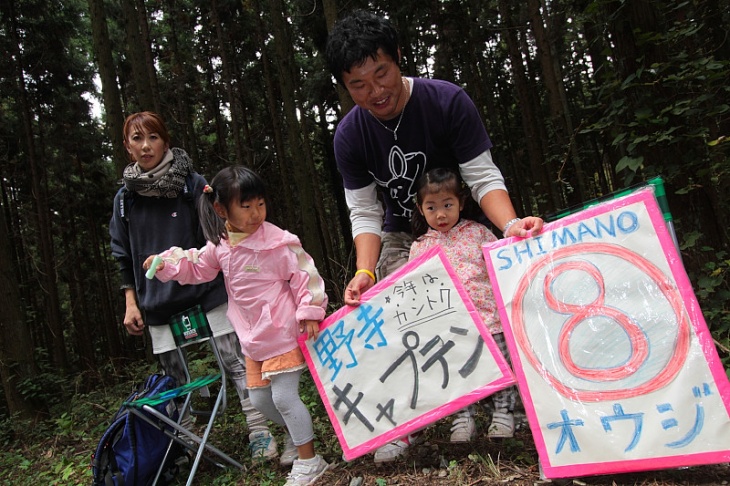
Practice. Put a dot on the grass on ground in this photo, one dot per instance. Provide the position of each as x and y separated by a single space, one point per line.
57 450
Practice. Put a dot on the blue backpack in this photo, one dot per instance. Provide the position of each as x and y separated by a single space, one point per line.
131 450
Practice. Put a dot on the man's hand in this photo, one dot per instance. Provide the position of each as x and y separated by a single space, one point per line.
354 290
529 226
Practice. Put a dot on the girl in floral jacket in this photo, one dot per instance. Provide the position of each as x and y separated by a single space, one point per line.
441 199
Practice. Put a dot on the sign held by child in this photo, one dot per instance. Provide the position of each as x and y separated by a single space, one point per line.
415 350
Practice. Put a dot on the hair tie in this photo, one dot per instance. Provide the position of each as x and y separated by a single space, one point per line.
207 189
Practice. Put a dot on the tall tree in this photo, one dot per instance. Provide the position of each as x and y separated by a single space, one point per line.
299 144
109 87
272 107
233 104
16 345
330 14
149 58
47 277
530 118
135 50
177 61
561 121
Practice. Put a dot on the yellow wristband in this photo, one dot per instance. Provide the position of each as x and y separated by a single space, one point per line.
366 272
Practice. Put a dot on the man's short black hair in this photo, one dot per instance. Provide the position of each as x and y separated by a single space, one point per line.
356 37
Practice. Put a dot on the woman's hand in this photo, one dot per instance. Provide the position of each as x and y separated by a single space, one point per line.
133 320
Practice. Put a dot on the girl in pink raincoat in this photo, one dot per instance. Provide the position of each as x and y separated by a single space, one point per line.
274 294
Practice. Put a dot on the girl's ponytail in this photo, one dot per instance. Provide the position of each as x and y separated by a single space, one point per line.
213 226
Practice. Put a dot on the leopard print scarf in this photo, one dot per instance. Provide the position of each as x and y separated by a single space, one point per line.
165 180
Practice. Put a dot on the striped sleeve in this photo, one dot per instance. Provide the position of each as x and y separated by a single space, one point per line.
308 287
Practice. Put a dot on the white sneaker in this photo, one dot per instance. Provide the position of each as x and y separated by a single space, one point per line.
306 471
463 427
262 445
290 452
502 426
393 450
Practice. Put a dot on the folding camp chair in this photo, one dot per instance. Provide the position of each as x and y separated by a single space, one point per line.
189 327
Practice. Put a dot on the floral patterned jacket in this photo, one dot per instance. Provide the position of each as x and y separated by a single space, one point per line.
463 247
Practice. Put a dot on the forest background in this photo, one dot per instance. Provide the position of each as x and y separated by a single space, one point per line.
580 97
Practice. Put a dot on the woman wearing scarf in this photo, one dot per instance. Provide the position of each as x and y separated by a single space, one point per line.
154 210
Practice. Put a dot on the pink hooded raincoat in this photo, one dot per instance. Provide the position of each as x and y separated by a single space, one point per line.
272 285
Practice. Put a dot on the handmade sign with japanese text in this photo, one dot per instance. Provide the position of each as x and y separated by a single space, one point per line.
616 367
415 350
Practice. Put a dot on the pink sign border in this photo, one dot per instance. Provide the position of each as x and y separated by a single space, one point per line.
507 379
699 326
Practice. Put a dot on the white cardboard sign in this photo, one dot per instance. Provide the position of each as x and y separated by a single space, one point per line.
615 364
415 350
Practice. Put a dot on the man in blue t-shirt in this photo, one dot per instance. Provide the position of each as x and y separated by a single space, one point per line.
399 129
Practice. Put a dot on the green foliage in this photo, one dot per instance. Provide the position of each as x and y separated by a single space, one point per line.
491 465
666 106
662 115
46 388
713 293
57 450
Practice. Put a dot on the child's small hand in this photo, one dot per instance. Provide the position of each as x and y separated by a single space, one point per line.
310 327
152 264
